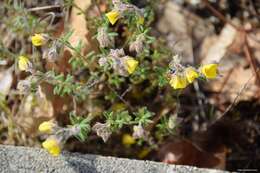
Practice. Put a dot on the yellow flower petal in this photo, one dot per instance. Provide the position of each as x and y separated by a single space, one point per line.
38 40
52 146
113 16
210 70
128 140
131 64
46 127
191 74
178 82
23 63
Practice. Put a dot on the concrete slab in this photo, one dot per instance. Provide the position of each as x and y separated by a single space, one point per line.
34 160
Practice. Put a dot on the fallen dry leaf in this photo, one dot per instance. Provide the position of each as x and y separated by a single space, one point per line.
254 43
184 32
216 47
6 79
184 152
78 24
232 81
178 38
33 110
206 148
227 49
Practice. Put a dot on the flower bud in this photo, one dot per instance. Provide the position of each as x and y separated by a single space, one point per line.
117 53
139 132
24 86
103 38
102 61
102 130
137 45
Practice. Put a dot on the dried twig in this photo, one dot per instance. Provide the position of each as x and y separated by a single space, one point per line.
49 7
200 97
157 118
219 15
121 98
230 72
97 6
251 60
238 95
126 91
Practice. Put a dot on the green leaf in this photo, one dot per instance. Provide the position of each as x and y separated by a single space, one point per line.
67 36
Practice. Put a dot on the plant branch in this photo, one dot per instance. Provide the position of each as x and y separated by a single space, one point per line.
49 7
219 15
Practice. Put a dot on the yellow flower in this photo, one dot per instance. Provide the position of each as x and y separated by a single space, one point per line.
118 107
191 74
140 20
128 140
38 40
23 63
46 127
113 16
209 70
131 64
52 146
178 82
143 153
